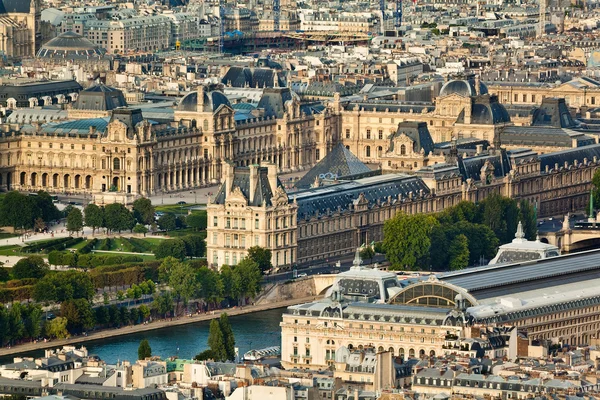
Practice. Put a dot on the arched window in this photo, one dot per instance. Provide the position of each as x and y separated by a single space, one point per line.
368 151
116 163
403 150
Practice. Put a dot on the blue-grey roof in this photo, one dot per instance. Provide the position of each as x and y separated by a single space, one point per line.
81 126
418 132
100 98
212 101
471 167
273 101
339 163
553 112
14 6
241 179
251 77
462 87
503 280
486 110
375 189
569 155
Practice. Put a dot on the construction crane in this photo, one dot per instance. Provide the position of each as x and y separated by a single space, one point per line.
221 25
276 15
397 14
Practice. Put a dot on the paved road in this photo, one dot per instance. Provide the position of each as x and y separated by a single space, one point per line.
28 347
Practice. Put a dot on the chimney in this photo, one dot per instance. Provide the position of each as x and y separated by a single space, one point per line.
253 181
200 100
272 174
479 148
477 85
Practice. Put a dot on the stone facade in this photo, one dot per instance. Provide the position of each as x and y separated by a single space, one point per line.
20 28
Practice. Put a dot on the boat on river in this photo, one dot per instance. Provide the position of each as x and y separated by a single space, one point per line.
267 352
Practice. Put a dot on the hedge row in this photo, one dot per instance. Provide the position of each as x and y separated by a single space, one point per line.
89 246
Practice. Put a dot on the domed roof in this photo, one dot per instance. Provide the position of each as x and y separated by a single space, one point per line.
212 101
100 98
462 87
486 110
69 44
14 6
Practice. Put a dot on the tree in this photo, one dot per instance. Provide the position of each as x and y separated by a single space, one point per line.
33 320
182 281
406 240
63 286
170 248
75 220
94 217
144 350
228 337
261 256
216 342
143 211
247 278
139 228
529 218
47 209
167 222
57 328
205 355
4 274
196 221
18 210
16 325
596 186
210 285
30 267
79 315
458 253
501 215
134 292
230 289
118 218
163 304
39 224
144 311
367 253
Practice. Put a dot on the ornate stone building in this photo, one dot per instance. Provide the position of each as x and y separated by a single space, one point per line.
20 33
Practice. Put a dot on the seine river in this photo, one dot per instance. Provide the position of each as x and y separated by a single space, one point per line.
252 331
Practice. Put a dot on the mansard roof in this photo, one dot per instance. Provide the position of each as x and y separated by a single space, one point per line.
471 167
100 98
251 77
418 132
263 192
375 189
570 155
553 112
339 163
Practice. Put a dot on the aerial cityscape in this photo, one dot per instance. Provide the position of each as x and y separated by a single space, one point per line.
299 199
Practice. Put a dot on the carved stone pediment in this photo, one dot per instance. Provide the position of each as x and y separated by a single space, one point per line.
237 196
280 198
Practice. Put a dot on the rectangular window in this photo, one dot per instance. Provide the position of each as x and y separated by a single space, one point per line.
228 222
347 133
243 222
256 240
215 221
380 134
243 242
256 224
368 134
215 238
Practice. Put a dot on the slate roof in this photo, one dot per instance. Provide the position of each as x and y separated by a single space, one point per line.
486 110
273 101
69 44
471 167
251 77
569 155
241 179
213 99
14 6
341 196
418 132
462 87
553 112
339 163
22 92
100 98
527 136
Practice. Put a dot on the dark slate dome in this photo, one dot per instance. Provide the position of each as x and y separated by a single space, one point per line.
212 101
14 6
462 87
100 98
69 44
486 110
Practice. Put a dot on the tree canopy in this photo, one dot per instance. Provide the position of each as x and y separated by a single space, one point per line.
261 256
407 240
144 350
143 211
94 216
75 220
30 267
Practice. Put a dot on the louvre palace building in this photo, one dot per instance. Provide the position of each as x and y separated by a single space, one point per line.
366 160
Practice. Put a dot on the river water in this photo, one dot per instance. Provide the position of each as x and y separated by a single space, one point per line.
252 331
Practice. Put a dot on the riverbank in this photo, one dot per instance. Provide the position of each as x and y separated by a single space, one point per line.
155 325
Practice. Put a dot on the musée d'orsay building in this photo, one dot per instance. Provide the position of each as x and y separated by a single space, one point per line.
112 152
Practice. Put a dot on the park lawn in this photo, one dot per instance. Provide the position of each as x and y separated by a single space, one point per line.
176 208
186 232
121 244
79 245
10 250
152 240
